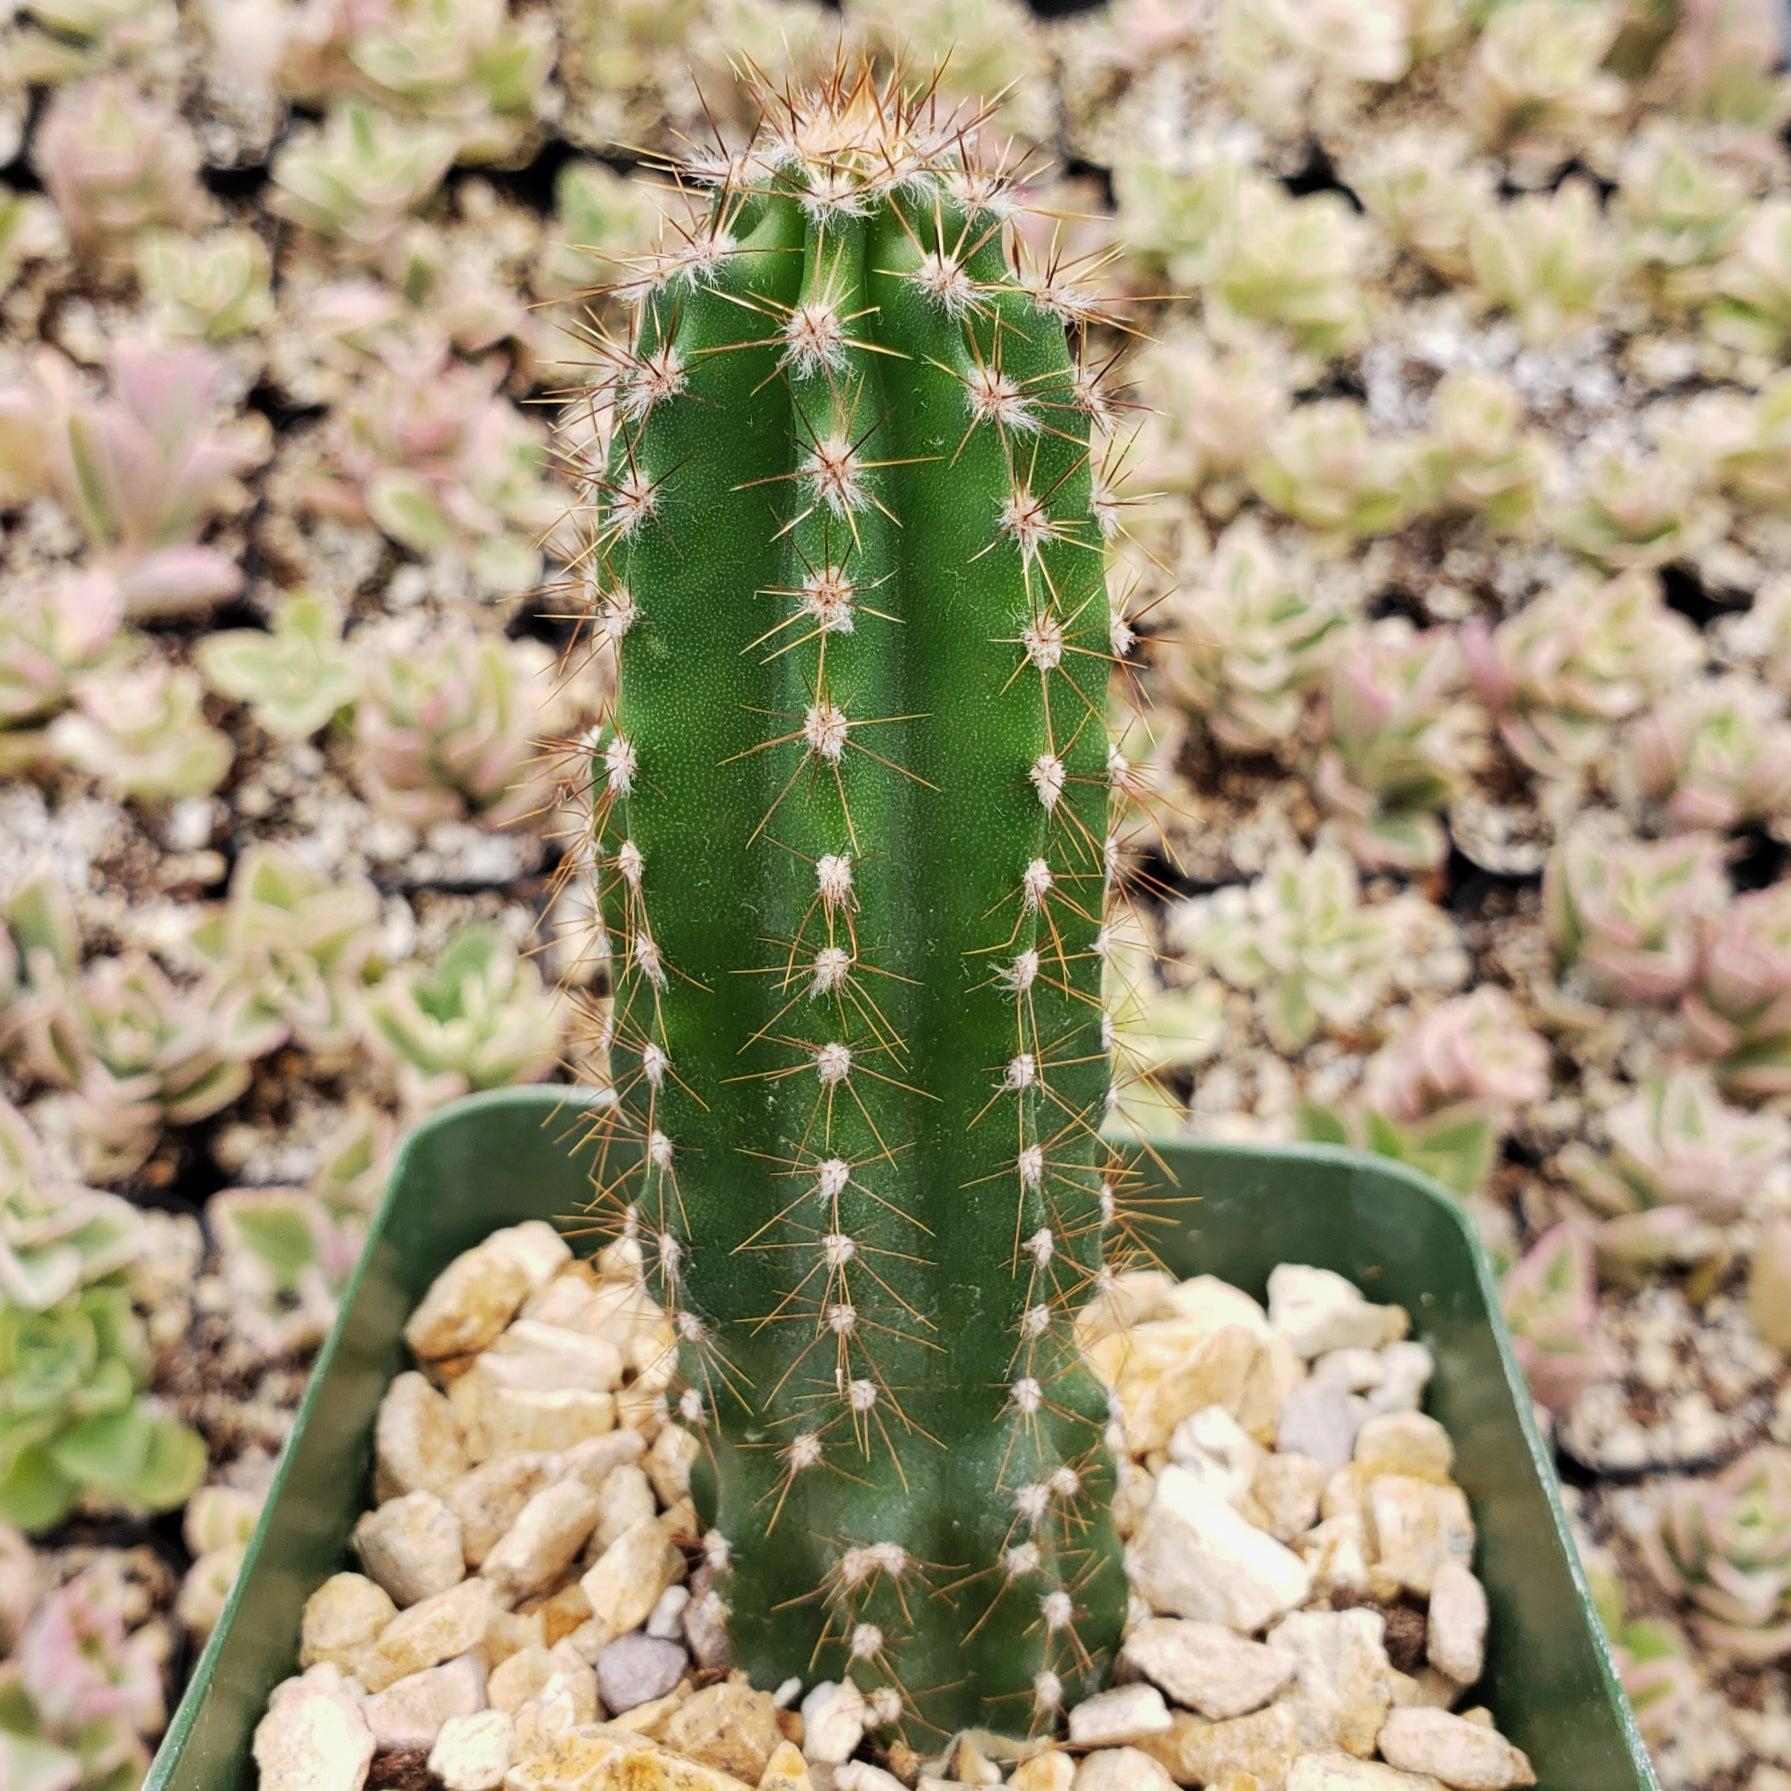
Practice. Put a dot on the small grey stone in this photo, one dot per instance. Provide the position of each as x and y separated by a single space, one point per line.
1320 1421
705 1634
636 1669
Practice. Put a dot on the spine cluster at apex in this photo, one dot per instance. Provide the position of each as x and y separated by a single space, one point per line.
855 855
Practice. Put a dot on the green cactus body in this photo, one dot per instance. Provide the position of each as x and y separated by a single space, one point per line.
852 834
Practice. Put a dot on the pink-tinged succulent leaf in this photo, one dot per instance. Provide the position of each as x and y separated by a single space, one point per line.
1550 1298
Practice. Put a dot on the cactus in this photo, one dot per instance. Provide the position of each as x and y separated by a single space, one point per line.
851 827
1723 1547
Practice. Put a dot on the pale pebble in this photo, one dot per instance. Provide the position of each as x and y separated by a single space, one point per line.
1456 1638
468 1303
834 1718
341 1617
1260 1746
730 1726
411 1546
535 1553
430 1632
627 1579
1122 1769
472 1753
1195 1556
1118 1717
410 1711
1466 1755
1317 1310
314 1736
1207 1667
1287 1489
1415 1526
1342 1772
1343 1681
1405 1443
417 1446
635 1669
497 1420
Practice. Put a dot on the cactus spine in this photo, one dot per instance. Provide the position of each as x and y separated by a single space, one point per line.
853 849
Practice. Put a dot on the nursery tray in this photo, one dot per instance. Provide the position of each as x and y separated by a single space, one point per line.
498 1158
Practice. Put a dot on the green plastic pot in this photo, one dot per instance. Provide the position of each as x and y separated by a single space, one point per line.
498 1158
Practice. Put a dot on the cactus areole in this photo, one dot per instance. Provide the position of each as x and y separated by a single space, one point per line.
853 849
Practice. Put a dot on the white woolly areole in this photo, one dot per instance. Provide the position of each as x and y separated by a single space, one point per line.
1043 641
1036 883
1023 1558
833 878
886 1705
651 379
1025 518
837 1249
814 338
628 863
833 1063
1122 637
671 1254
1035 1321
831 1177
827 596
994 398
842 1319
803 1451
836 471
861 1395
867 1641
1027 1396
659 1150
621 762
1066 1483
646 958
1021 1072
1047 1690
690 1406
832 970
654 1064
1031 1165
718 1551
1058 1609
945 282
1023 972
1041 1246
824 727
691 1328
1032 1501
1047 776
631 501
617 613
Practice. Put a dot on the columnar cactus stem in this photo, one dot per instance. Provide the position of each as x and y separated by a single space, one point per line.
852 824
